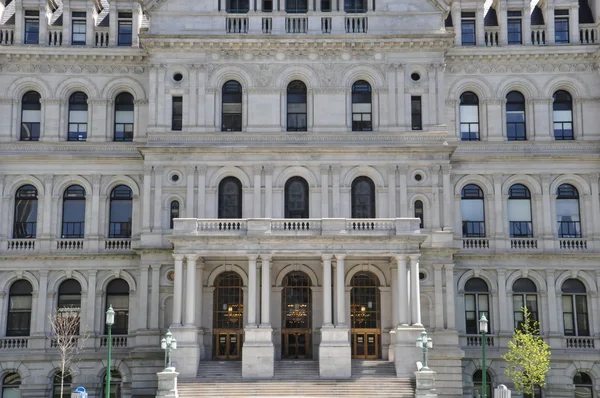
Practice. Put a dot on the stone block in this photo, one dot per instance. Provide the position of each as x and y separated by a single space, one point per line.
167 384
425 384
258 354
335 361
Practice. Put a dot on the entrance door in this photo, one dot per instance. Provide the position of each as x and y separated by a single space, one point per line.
228 317
296 315
365 316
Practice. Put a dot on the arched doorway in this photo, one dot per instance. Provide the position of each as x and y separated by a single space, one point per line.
365 316
296 316
228 319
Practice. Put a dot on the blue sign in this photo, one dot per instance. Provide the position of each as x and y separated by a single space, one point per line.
79 393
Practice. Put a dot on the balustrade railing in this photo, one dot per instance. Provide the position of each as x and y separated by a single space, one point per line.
573 244
222 225
101 37
369 225
117 341
13 343
523 244
117 244
326 23
356 24
55 36
7 36
584 343
538 35
476 243
236 24
476 340
296 225
296 24
20 245
267 25
70 244
588 33
491 36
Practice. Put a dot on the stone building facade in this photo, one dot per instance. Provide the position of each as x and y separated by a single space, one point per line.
317 179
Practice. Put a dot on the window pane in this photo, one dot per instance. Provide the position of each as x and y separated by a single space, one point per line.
567 210
519 210
78 117
124 117
469 113
483 303
472 210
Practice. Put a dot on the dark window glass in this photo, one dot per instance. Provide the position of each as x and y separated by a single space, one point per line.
69 294
477 303
296 6
478 384
325 5
364 301
416 113
174 212
11 384
232 106
575 308
537 393
567 212
26 209
362 106
419 212
562 112
78 117
468 28
229 302
296 301
296 198
583 385
125 36
561 27
117 295
31 115
115 384
267 5
73 217
524 295
515 117
363 198
230 198
124 117
59 381
20 297
120 212
354 6
238 6
296 106
78 31
177 114
515 35
473 213
32 31
519 212
469 117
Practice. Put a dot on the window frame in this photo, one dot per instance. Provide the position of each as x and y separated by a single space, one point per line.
22 316
465 102
31 27
520 192
355 6
561 20
241 6
176 113
120 105
478 296
477 231
225 209
34 128
575 296
113 231
363 210
78 99
566 192
77 194
292 213
468 19
232 121
121 325
567 103
361 94
416 112
301 91
124 38
174 212
524 294
78 18
587 385
514 19
516 105
419 212
14 384
25 229
488 381
296 6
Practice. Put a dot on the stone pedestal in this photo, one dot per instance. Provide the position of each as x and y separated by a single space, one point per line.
425 384
167 384
406 353
188 353
258 353
335 361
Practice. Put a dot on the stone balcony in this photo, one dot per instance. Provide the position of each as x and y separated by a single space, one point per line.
67 246
525 245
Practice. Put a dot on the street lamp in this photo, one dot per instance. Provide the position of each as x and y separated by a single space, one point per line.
168 343
425 343
483 328
110 321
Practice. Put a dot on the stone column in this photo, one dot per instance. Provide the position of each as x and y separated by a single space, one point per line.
526 21
434 171
552 303
402 287
154 296
158 206
143 298
503 24
252 283
43 27
327 316
268 191
574 24
547 222
479 25
394 283
112 29
147 199
448 198
549 19
189 198
42 314
20 24
403 191
498 213
257 188
450 315
502 300
595 205
439 297
91 302
391 171
190 301
177 290
201 191
456 23
415 290
265 320
324 191
340 274
335 173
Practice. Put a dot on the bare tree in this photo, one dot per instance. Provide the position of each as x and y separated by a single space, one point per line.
67 338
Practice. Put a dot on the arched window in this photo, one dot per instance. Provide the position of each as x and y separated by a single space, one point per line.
31 115
121 206
230 198
61 384
584 387
296 198
26 209
419 213
115 384
174 212
231 114
567 212
478 384
473 213
124 117
477 303
562 114
69 294
354 6
19 309
78 117
362 108
524 295
519 212
296 316
575 308
515 117
363 198
11 384
228 316
469 117
73 216
238 6
117 295
296 106
296 6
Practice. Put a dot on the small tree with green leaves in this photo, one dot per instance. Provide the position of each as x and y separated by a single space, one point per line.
528 356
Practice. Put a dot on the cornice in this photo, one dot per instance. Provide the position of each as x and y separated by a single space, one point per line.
77 66
63 147
527 149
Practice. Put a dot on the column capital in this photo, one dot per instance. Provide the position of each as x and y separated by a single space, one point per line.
340 256
414 257
438 267
446 169
191 257
400 257
252 257
391 168
324 168
449 267
266 257
336 168
268 169
178 257
326 257
257 169
403 168
201 169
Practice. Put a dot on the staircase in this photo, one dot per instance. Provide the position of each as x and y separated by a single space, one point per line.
296 379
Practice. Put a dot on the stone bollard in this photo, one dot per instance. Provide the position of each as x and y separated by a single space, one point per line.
425 384
167 384
502 392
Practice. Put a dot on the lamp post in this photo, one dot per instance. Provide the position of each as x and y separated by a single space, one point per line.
110 321
168 343
425 343
483 328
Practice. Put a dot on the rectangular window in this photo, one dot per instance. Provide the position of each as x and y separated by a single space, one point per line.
78 28
416 113
467 24
514 28
561 26
326 5
177 115
125 29
32 27
267 5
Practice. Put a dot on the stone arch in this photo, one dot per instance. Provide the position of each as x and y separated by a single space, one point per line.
123 85
589 367
314 280
474 365
111 183
30 83
584 277
419 196
73 84
487 276
521 84
121 366
117 274
569 83
171 197
14 276
366 171
531 183
226 268
163 302
474 84
534 276
577 181
479 180
304 73
366 268
229 171
57 279
363 72
15 367
66 181
294 171
224 73
11 188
